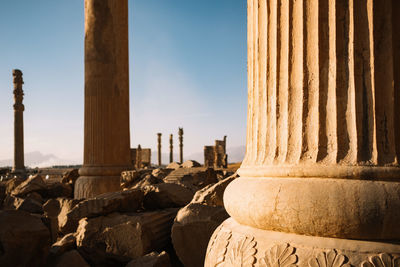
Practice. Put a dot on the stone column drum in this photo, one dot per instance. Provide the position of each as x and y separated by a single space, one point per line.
19 166
319 185
106 126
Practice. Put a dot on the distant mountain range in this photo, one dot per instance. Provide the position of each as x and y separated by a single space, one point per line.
37 159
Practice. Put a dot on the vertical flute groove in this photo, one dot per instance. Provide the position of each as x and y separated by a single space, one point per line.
396 72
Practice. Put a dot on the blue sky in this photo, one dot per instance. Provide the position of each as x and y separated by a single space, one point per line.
187 69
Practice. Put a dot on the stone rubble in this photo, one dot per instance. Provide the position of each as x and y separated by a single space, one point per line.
131 227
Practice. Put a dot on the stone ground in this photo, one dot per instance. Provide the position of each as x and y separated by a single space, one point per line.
161 217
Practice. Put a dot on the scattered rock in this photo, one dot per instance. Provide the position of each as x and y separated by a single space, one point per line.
196 178
119 238
195 223
152 259
65 226
190 164
24 239
148 180
51 208
173 165
130 178
161 173
12 184
72 258
166 195
57 189
68 242
122 201
32 184
70 177
27 204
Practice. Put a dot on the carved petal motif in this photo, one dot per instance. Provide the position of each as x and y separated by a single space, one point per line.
328 259
382 260
217 250
242 254
280 255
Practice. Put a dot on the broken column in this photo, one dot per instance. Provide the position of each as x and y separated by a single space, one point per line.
19 166
319 185
106 125
159 148
180 133
171 148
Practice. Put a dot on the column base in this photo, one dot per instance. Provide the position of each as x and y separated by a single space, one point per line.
233 244
91 186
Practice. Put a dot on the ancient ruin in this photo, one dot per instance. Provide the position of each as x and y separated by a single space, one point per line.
19 166
171 148
215 156
180 134
319 184
106 130
141 157
159 148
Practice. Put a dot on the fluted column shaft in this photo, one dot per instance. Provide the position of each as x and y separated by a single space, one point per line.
180 133
323 115
19 166
106 126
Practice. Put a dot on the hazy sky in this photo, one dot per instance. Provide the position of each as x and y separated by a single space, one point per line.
187 69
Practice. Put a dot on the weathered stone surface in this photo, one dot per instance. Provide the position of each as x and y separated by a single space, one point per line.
152 259
195 223
67 242
65 224
122 201
161 173
24 239
166 195
70 177
25 204
12 184
130 178
51 207
122 237
194 178
55 190
190 164
71 258
148 180
212 195
32 184
173 165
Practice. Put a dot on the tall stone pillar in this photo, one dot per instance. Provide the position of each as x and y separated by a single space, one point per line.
180 133
171 148
106 125
19 166
159 148
139 157
319 185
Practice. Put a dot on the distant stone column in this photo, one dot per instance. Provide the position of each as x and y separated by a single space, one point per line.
180 132
171 148
19 166
159 148
106 125
320 182
139 157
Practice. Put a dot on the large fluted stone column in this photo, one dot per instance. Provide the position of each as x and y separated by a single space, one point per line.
19 166
319 184
106 137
